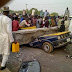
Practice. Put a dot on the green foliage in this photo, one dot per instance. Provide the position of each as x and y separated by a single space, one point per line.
54 13
30 12
39 12
11 11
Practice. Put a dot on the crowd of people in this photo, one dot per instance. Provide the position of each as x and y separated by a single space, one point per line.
22 21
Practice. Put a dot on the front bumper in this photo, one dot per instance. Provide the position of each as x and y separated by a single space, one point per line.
62 42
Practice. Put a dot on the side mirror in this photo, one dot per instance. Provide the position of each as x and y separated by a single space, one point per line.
30 66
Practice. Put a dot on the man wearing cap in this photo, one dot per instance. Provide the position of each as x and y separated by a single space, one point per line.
6 37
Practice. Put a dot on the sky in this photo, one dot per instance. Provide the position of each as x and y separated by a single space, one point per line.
58 6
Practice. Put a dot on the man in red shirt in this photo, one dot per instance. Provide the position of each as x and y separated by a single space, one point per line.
15 24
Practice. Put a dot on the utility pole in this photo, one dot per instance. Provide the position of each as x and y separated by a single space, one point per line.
26 8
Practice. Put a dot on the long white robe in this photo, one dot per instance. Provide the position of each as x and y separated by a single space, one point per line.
33 12
59 22
66 25
6 36
67 13
70 26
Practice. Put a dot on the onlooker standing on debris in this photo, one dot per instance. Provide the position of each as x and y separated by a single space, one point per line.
46 22
45 13
59 21
62 27
15 24
52 22
49 21
6 37
66 24
24 12
11 16
34 20
22 18
43 23
24 23
39 22
67 13
33 12
70 26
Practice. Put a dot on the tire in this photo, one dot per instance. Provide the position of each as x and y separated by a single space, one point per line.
47 47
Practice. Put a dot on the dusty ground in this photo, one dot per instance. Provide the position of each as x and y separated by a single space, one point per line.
54 62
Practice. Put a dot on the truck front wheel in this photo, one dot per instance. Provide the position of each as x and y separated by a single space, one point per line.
47 47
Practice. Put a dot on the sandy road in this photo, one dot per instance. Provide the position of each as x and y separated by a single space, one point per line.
54 62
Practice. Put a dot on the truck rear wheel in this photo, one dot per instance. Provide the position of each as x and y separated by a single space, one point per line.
47 47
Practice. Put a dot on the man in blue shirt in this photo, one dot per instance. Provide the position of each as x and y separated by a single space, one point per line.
22 18
46 13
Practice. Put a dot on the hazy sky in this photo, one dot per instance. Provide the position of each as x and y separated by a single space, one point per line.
58 6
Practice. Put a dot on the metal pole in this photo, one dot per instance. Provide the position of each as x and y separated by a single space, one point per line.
26 8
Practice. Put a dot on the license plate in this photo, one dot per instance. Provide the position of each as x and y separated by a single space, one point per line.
68 40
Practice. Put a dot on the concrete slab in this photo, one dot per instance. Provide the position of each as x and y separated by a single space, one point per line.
27 36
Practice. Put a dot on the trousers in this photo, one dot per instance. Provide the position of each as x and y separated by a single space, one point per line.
4 60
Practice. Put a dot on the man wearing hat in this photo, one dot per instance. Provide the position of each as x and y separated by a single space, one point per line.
6 37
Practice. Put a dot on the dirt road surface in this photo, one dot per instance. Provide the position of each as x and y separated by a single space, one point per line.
54 62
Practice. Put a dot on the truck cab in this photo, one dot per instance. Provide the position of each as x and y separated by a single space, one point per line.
51 41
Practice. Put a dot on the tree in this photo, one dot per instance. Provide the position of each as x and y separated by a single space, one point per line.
54 13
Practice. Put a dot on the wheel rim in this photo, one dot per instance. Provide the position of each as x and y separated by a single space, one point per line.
46 47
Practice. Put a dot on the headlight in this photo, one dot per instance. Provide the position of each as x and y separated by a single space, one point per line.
59 37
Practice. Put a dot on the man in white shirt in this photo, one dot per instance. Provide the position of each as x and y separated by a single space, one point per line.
67 23
70 26
67 13
6 37
33 12
24 24
59 21
24 12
